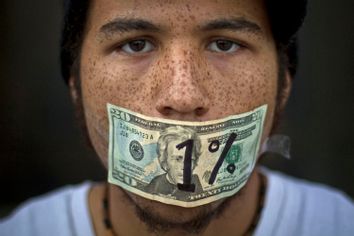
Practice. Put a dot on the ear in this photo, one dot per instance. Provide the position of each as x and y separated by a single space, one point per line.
285 90
74 90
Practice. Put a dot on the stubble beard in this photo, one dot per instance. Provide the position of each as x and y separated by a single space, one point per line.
160 224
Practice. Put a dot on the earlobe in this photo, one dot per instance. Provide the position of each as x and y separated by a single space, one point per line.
73 89
285 90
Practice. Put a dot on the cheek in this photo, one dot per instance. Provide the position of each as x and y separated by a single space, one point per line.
242 86
110 84
106 83
245 85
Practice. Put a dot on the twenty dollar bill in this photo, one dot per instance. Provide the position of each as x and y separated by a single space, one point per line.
182 163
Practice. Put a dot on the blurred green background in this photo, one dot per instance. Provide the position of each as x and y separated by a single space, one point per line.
40 144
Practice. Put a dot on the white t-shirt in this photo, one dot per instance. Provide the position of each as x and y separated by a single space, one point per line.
292 207
64 212
296 207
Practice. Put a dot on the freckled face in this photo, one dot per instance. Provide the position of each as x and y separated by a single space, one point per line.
187 60
179 65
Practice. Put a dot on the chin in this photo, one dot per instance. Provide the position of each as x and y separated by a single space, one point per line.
160 217
170 212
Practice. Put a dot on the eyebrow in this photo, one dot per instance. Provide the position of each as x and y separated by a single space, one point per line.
235 24
122 25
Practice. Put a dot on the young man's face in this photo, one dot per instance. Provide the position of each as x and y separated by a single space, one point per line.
185 60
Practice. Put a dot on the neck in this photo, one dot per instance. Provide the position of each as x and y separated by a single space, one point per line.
236 218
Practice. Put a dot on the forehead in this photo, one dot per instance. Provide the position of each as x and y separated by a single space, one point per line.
176 14
171 147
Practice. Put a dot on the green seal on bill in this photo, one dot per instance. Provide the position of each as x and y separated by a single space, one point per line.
136 150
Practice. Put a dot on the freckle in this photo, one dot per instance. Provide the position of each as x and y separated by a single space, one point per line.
188 7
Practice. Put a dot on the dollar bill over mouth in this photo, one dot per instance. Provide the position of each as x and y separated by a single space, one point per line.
181 163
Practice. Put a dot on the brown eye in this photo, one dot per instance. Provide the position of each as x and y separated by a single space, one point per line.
137 46
222 45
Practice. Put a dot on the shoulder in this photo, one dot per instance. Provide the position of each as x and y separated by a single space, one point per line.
299 207
157 180
160 178
157 183
55 213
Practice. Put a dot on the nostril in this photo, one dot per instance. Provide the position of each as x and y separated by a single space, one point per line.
201 111
166 111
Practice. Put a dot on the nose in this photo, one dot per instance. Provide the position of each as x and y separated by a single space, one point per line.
182 95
